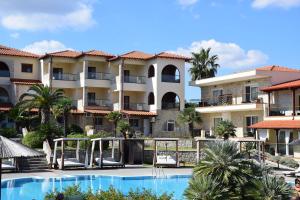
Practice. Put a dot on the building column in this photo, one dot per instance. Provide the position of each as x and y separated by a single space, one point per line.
294 102
276 147
287 140
269 103
84 71
121 94
50 72
84 97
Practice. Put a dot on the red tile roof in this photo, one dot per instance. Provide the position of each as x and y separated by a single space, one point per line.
136 55
138 113
5 106
64 54
96 111
172 56
277 124
277 68
7 51
281 86
25 81
98 53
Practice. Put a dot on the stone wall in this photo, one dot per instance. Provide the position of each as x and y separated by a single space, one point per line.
182 143
185 156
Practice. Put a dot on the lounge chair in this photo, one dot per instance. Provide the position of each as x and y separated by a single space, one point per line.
109 162
165 160
292 173
70 162
8 165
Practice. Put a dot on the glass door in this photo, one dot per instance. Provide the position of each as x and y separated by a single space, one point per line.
57 73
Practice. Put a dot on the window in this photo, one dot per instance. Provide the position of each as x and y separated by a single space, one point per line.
91 98
151 98
216 95
151 71
251 93
57 73
249 121
170 125
27 68
91 72
217 120
134 122
98 121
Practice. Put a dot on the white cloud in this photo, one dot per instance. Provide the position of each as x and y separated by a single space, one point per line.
33 15
45 46
15 35
276 3
187 2
230 55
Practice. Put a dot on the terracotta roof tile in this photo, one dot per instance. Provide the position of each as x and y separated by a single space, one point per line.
25 81
137 55
277 68
277 124
65 54
171 56
93 111
98 53
138 113
7 51
286 85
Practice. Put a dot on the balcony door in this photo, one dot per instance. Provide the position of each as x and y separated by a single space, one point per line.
126 102
92 72
58 73
91 98
216 96
251 93
126 76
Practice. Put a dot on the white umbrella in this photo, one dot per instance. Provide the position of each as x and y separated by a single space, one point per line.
12 149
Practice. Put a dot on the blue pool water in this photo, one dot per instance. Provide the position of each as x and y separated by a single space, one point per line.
35 188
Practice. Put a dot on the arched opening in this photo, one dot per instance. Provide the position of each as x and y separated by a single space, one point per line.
4 97
170 101
151 71
4 70
151 98
171 74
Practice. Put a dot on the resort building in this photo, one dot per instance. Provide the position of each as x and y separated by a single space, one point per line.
148 89
257 98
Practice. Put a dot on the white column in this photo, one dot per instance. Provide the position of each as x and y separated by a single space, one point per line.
287 139
121 65
83 97
84 71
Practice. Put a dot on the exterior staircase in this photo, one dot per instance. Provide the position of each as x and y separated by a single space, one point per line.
33 164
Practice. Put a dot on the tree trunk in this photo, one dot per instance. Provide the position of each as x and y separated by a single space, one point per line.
226 137
66 124
191 129
45 115
115 129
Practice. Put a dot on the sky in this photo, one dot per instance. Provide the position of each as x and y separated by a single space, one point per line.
243 33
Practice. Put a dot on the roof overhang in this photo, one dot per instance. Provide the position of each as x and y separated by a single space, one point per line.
277 124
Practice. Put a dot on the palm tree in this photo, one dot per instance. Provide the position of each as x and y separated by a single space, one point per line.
21 117
205 188
190 117
63 108
114 117
225 129
203 65
222 161
42 98
123 126
271 188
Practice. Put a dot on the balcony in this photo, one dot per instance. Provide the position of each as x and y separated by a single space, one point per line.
98 76
102 103
64 80
134 106
228 102
65 77
283 110
170 106
135 79
170 78
96 79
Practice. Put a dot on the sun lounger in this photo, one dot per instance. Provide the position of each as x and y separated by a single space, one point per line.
70 162
165 160
108 162
292 173
8 165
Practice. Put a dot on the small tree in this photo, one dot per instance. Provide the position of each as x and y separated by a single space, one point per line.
189 116
114 117
123 126
225 129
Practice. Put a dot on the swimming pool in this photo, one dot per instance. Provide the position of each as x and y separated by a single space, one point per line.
36 188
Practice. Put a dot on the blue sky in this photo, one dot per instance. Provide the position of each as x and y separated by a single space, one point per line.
244 33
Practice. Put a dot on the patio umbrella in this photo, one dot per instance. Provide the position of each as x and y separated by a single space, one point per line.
12 149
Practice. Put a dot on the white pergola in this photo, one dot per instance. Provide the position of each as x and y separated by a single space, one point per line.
155 155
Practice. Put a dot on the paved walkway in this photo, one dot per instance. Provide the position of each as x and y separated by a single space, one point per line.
128 171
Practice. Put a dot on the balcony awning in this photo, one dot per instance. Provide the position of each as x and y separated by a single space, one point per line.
138 113
25 81
277 124
97 111
282 86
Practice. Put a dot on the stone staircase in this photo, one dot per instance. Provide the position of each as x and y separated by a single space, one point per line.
33 164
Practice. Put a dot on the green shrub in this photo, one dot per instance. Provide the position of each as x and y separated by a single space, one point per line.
110 194
50 130
75 129
8 132
289 162
74 143
101 134
34 139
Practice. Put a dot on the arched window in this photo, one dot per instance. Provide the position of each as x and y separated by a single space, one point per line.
151 98
4 97
151 71
170 101
171 74
4 70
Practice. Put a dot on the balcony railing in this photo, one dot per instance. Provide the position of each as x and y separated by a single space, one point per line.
98 76
65 77
283 110
229 99
4 73
170 105
135 79
170 78
134 106
99 102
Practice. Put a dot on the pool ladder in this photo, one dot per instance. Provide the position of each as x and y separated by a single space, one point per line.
158 172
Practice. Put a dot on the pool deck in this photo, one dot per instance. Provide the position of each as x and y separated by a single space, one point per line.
128 171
